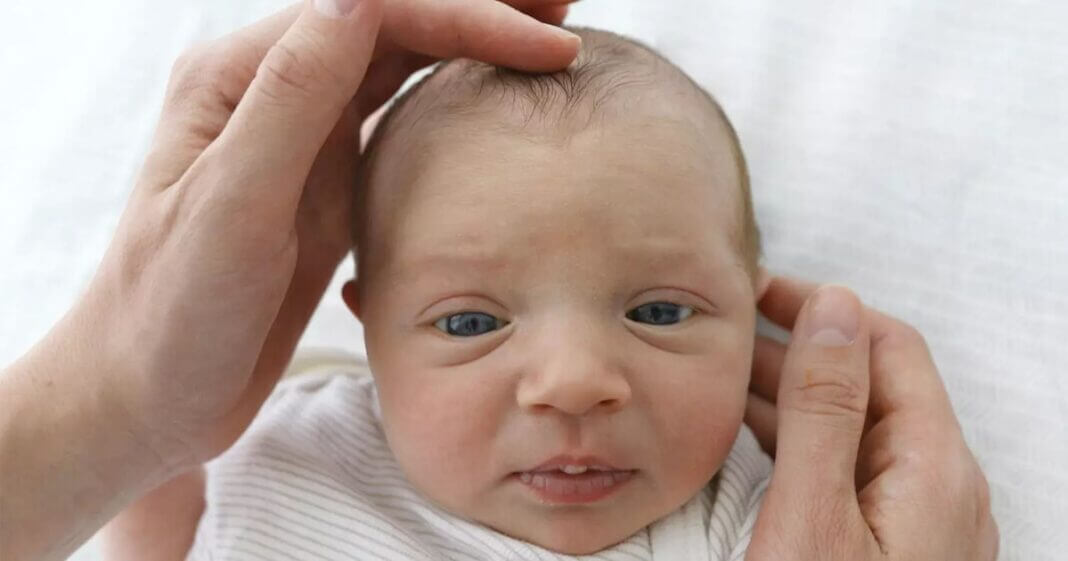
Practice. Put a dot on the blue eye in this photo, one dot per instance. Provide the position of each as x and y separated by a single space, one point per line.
469 324
660 313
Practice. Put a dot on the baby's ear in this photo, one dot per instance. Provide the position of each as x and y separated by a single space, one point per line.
760 286
350 293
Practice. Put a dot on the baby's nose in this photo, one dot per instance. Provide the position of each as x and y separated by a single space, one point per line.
575 374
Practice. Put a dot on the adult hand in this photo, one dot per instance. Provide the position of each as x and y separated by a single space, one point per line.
232 233
241 214
880 474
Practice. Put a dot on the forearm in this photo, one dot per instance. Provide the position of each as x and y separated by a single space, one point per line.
68 462
159 526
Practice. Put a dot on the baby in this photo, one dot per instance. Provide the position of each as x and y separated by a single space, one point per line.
557 277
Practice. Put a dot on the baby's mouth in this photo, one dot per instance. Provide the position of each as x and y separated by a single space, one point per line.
574 484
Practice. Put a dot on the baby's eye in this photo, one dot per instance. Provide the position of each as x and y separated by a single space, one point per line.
469 324
660 313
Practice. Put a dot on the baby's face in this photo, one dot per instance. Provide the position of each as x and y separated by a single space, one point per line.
529 302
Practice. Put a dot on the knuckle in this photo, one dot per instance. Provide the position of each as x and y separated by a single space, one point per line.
290 73
902 335
188 60
194 65
829 390
920 462
202 71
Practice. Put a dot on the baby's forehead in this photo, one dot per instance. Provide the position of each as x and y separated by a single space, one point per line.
642 102
655 147
536 212
468 185
617 88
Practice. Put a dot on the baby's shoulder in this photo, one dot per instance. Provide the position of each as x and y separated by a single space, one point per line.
319 425
313 472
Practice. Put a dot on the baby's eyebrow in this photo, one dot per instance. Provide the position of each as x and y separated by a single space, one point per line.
453 258
645 251
652 256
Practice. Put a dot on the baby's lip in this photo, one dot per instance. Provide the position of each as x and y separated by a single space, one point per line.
589 461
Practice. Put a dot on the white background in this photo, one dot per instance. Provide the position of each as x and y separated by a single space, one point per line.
916 151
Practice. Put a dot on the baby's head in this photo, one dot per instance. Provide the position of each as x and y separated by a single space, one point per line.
558 267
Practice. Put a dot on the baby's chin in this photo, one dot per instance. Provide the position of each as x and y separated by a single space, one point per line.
571 537
584 530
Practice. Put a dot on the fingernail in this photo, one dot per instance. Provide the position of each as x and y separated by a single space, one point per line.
565 34
335 8
833 317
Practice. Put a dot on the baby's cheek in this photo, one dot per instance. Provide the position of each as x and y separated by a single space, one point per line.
441 440
702 423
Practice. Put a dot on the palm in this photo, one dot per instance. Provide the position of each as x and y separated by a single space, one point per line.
266 274
322 230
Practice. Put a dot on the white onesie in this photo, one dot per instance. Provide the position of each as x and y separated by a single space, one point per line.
313 479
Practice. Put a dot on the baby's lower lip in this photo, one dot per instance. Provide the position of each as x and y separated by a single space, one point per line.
557 487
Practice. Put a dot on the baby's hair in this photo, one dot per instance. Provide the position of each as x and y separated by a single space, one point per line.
608 67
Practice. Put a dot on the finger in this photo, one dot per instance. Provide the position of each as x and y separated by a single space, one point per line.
768 356
762 418
239 53
205 86
491 32
552 14
400 53
903 374
385 76
823 397
882 445
904 377
783 299
301 88
527 6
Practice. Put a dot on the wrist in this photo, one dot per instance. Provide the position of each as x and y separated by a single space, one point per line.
118 366
70 458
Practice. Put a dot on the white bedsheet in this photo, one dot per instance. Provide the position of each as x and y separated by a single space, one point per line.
916 151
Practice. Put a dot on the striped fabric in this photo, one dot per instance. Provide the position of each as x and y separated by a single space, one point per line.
313 479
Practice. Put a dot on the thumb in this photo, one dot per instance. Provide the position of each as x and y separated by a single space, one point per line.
823 397
301 89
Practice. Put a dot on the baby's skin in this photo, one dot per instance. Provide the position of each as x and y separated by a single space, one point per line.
558 276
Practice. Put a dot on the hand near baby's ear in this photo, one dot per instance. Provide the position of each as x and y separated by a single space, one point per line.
870 462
